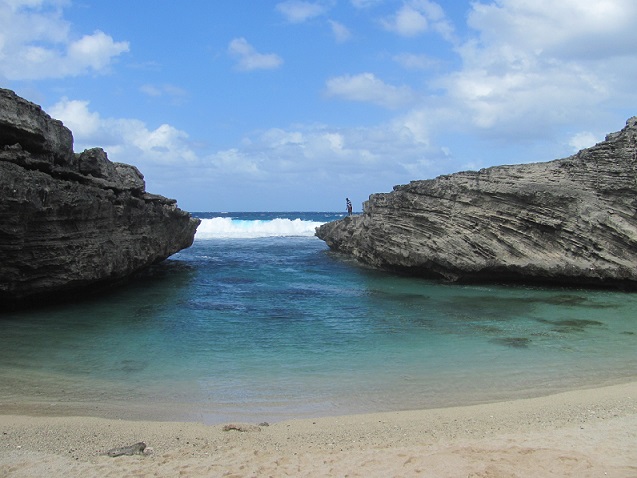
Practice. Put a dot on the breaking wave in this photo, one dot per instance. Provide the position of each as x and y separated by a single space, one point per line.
229 228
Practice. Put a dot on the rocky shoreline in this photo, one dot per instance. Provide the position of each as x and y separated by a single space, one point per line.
570 221
70 221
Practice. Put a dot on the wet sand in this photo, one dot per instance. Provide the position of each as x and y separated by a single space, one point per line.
579 433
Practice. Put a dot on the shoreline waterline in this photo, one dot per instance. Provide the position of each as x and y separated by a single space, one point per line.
577 433
212 414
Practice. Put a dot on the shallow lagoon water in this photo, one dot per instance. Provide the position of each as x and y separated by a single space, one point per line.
274 327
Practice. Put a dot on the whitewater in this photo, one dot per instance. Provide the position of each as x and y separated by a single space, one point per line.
245 226
260 321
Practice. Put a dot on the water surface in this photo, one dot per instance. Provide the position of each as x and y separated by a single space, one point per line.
268 324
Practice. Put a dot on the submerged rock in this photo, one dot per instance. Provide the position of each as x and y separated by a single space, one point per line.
73 221
568 221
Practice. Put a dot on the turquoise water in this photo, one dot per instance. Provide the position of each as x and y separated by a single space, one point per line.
260 321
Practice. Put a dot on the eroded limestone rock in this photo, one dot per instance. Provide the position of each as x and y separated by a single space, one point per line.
568 221
72 221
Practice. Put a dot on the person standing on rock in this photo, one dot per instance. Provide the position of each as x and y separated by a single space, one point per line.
349 206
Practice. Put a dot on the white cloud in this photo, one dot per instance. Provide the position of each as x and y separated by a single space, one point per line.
419 16
17 4
235 162
525 98
250 59
341 32
164 144
125 140
509 86
365 87
36 43
94 51
277 155
407 22
298 11
584 139
76 116
535 66
568 29
413 127
389 151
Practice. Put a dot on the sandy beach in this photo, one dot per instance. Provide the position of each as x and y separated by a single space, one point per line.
579 433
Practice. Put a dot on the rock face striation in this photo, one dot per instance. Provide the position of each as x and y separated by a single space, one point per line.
73 221
569 221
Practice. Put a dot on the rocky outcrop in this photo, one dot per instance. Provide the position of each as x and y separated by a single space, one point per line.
569 221
71 221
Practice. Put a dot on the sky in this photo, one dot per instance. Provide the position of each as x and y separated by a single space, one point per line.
293 105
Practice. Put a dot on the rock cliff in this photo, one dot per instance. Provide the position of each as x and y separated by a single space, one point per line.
568 221
73 221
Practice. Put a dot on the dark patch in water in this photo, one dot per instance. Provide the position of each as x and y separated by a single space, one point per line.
576 301
488 329
513 342
626 332
492 307
571 325
572 300
398 296
504 308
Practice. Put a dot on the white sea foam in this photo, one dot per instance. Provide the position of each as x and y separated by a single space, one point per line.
228 228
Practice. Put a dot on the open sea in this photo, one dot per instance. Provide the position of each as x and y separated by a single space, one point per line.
260 321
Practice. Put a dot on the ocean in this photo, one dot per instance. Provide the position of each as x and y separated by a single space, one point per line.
260 321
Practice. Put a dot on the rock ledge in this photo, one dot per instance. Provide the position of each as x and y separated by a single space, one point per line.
570 221
73 221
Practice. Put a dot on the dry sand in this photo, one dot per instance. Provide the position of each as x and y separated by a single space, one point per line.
585 433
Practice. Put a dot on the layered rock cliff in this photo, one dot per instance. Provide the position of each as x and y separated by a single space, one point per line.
568 221
73 221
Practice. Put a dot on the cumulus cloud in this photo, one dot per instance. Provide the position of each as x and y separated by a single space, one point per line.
526 98
366 87
321 151
568 29
94 51
76 116
584 139
533 66
299 11
413 127
125 140
523 73
248 58
36 43
236 162
407 22
418 16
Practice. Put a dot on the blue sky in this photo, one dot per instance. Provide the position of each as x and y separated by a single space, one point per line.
232 105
